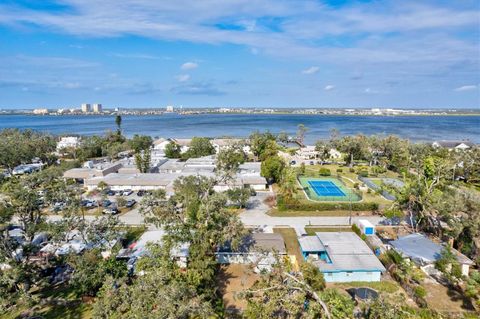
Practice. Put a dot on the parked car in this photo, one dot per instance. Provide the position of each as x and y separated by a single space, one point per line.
130 203
312 163
141 193
111 193
293 162
127 192
106 203
111 211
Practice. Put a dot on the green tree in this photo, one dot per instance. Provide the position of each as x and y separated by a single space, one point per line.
239 196
283 137
140 143
196 215
228 162
288 184
279 294
301 131
312 276
17 147
142 161
91 270
118 122
173 150
340 305
260 142
272 168
199 146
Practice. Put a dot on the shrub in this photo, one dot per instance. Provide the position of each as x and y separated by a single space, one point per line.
351 170
363 173
363 206
356 185
325 171
339 170
420 292
356 230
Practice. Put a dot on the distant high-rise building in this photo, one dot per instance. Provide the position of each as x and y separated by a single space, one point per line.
169 108
85 108
97 108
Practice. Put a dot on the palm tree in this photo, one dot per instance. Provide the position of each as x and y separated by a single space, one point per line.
118 121
288 184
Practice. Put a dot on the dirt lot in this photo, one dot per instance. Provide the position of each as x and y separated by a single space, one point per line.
444 300
233 279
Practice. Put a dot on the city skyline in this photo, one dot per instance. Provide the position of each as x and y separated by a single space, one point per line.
259 54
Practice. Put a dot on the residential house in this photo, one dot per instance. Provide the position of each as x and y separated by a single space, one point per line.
453 145
341 257
94 170
140 248
68 142
424 252
257 248
135 182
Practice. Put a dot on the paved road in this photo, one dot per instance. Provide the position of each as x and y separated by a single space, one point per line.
255 216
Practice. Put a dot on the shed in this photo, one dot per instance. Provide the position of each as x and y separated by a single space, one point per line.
366 227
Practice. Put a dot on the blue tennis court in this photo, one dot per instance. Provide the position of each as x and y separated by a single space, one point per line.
325 188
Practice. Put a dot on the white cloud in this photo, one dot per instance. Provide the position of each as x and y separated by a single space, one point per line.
329 87
183 77
311 70
189 66
370 91
465 88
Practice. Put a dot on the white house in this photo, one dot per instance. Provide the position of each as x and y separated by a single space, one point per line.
68 142
160 144
307 152
453 145
341 257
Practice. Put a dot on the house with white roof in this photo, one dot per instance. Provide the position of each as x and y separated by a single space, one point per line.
341 257
453 145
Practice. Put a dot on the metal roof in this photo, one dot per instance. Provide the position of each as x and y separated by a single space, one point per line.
347 252
420 248
310 244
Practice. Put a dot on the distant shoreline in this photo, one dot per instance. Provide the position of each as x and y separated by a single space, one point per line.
240 113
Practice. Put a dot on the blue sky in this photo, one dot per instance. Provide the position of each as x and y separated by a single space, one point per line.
262 53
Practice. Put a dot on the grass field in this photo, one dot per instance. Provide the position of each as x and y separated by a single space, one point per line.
326 213
312 230
291 242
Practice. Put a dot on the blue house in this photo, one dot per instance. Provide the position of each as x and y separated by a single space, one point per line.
341 257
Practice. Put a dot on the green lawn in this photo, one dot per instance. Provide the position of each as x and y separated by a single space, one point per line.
386 286
291 242
312 230
349 179
323 213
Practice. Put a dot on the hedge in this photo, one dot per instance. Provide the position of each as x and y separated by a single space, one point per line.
282 206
